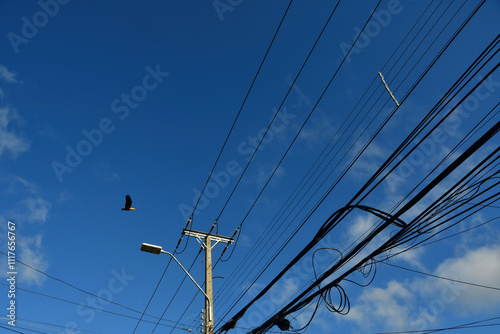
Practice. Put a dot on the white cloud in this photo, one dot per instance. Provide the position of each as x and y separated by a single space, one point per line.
9 139
369 161
30 249
479 266
487 234
34 209
387 307
26 185
412 257
284 291
16 185
7 75
423 302
361 227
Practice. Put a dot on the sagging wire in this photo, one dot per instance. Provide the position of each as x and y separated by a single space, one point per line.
344 304
327 295
182 235
435 223
480 168
234 246
372 268
310 319
303 299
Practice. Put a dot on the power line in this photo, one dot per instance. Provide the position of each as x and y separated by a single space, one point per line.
221 150
37 324
306 297
86 292
440 277
278 215
95 308
340 214
463 326
320 201
26 329
10 329
281 105
270 124
175 294
242 105
331 80
71 285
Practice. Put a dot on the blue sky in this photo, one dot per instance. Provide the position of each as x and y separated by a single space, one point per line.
99 100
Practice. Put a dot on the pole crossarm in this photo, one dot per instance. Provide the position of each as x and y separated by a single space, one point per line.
203 235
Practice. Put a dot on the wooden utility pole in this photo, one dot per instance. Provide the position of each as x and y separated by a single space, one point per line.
205 240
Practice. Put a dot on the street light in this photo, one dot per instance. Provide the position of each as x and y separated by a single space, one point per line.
157 250
151 248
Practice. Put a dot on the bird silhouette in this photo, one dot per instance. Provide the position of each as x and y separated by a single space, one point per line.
128 204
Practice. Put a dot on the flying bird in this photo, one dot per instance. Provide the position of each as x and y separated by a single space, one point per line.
128 204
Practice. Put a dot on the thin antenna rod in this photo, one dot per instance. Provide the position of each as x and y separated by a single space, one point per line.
387 88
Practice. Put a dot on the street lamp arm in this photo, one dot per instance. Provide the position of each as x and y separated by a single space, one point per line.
187 273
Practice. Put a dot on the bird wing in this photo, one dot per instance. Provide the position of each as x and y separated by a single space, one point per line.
128 202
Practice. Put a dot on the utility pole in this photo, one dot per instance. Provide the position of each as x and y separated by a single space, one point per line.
205 240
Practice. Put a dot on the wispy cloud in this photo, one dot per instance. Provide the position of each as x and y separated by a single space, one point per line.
319 130
265 171
33 209
25 205
7 75
9 140
370 160
65 196
26 201
16 185
30 249
105 172
284 291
